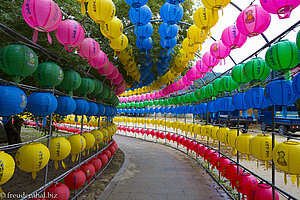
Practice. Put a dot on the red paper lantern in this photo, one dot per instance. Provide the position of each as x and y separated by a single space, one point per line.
107 153
197 148
148 132
169 136
162 136
245 182
142 131
75 179
112 149
57 191
128 129
89 170
174 137
96 162
182 140
178 139
137 130
202 150
191 146
186 143
222 162
231 172
262 191
157 134
103 157
213 159
207 154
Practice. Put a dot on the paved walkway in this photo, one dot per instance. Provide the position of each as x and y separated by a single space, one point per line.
154 171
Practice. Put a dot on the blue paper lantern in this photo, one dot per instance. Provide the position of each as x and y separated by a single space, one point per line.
151 110
168 43
66 105
93 109
171 14
202 108
12 102
147 110
167 110
101 110
82 107
296 84
175 2
156 110
210 107
42 104
136 3
239 103
144 44
281 93
255 98
168 31
172 109
226 104
140 16
143 110
144 31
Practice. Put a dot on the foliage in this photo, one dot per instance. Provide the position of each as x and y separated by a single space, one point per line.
11 16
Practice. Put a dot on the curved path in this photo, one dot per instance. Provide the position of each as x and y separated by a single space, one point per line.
154 171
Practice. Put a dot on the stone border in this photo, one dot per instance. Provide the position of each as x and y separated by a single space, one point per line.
113 183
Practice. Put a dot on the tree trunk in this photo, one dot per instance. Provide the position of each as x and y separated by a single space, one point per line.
13 130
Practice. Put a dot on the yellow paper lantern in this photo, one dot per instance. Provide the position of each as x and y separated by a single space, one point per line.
243 145
286 157
148 121
189 47
133 120
230 138
197 129
78 144
143 121
83 10
205 19
119 43
59 149
191 128
221 134
215 5
168 124
32 157
99 137
105 134
101 11
138 120
90 142
207 130
112 29
197 35
7 167
261 148
214 131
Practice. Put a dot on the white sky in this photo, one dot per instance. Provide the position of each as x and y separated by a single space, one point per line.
276 27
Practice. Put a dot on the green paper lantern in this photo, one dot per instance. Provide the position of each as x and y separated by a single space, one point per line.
146 103
104 93
18 61
177 99
141 104
86 87
156 102
216 84
71 81
161 102
167 102
237 74
48 74
98 87
109 96
194 98
283 56
210 91
198 94
150 103
202 92
227 84
298 39
256 69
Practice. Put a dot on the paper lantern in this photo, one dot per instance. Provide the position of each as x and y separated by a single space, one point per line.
255 98
32 157
41 15
215 5
93 109
280 92
119 44
217 85
222 162
48 74
210 91
285 157
232 38
78 144
168 31
12 102
168 43
86 87
88 48
219 50
70 34
227 84
57 191
230 139
143 31
104 159
42 104
207 154
99 61
71 81
243 145
170 13
89 170
279 7
298 40
262 191
238 75
99 138
144 44
66 105
210 61
261 148
101 11
197 35
8 167
175 2
59 148
75 179
240 103
96 162
18 61
112 29
221 134
296 85
245 183
283 56
253 21
256 70
90 142
231 172
136 3
189 47
82 107
205 19
140 16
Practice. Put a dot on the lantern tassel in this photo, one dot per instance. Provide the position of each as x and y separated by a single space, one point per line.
71 93
242 157
83 10
293 178
49 38
287 75
35 36
234 151
55 164
248 157
73 157
36 121
298 181
83 153
267 164
44 121
285 178
2 194
63 164
257 163
33 175
284 112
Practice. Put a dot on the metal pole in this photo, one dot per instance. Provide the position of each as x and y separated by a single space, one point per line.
273 145
155 126
165 128
237 154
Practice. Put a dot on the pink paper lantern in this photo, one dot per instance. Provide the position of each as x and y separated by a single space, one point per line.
192 74
186 81
99 60
117 80
148 96
201 67
106 70
41 15
152 95
253 21
88 48
210 61
280 7
115 73
219 50
232 38
70 34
